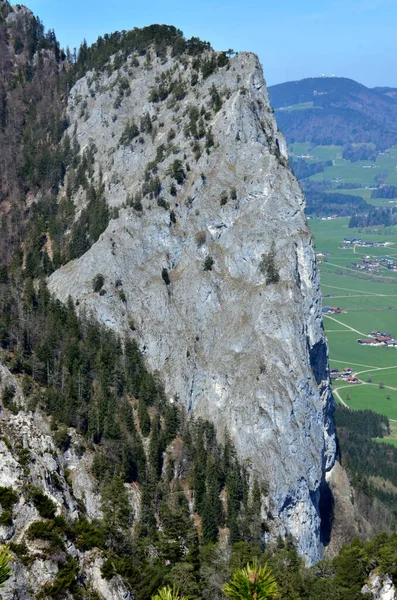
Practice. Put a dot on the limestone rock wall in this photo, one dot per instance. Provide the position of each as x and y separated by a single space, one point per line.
248 355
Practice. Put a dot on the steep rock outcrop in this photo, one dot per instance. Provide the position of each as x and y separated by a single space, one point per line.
30 460
235 342
380 587
348 521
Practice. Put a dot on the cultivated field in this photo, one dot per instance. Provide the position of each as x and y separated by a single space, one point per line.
363 172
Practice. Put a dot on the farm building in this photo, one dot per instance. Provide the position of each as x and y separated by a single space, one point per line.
337 310
332 310
377 334
352 240
378 341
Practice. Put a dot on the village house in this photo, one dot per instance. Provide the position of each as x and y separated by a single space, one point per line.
347 372
375 341
337 310
332 310
352 240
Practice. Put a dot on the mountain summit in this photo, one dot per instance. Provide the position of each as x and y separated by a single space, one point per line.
209 245
164 369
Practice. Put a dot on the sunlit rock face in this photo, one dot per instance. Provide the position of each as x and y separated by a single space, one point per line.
231 342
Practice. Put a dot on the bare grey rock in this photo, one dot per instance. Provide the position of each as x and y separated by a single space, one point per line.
83 485
348 522
113 589
380 587
248 355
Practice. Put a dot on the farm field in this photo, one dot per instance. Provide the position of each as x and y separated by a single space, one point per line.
365 174
356 172
299 148
369 303
317 153
362 172
301 106
372 398
330 234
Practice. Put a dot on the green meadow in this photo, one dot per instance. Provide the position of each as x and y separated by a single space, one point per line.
301 106
372 398
363 172
392 439
299 148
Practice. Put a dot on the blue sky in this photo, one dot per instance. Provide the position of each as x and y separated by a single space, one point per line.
293 38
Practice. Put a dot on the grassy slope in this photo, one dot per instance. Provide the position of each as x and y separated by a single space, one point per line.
350 172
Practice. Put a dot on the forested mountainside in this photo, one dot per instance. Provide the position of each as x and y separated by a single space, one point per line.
335 110
175 505
166 411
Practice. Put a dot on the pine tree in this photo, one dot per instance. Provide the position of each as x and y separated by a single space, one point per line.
155 449
251 583
212 512
168 593
268 267
115 505
144 418
5 569
172 422
199 474
233 503
133 366
116 512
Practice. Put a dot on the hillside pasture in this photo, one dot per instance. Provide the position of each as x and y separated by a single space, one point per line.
368 397
349 172
300 106
299 148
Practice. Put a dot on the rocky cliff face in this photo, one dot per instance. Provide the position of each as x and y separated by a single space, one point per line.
208 263
38 473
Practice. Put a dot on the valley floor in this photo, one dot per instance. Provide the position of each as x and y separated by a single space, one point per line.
368 302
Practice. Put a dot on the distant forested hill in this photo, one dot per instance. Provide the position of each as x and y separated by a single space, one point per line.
335 110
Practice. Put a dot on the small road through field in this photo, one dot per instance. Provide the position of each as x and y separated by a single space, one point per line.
344 325
333 287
